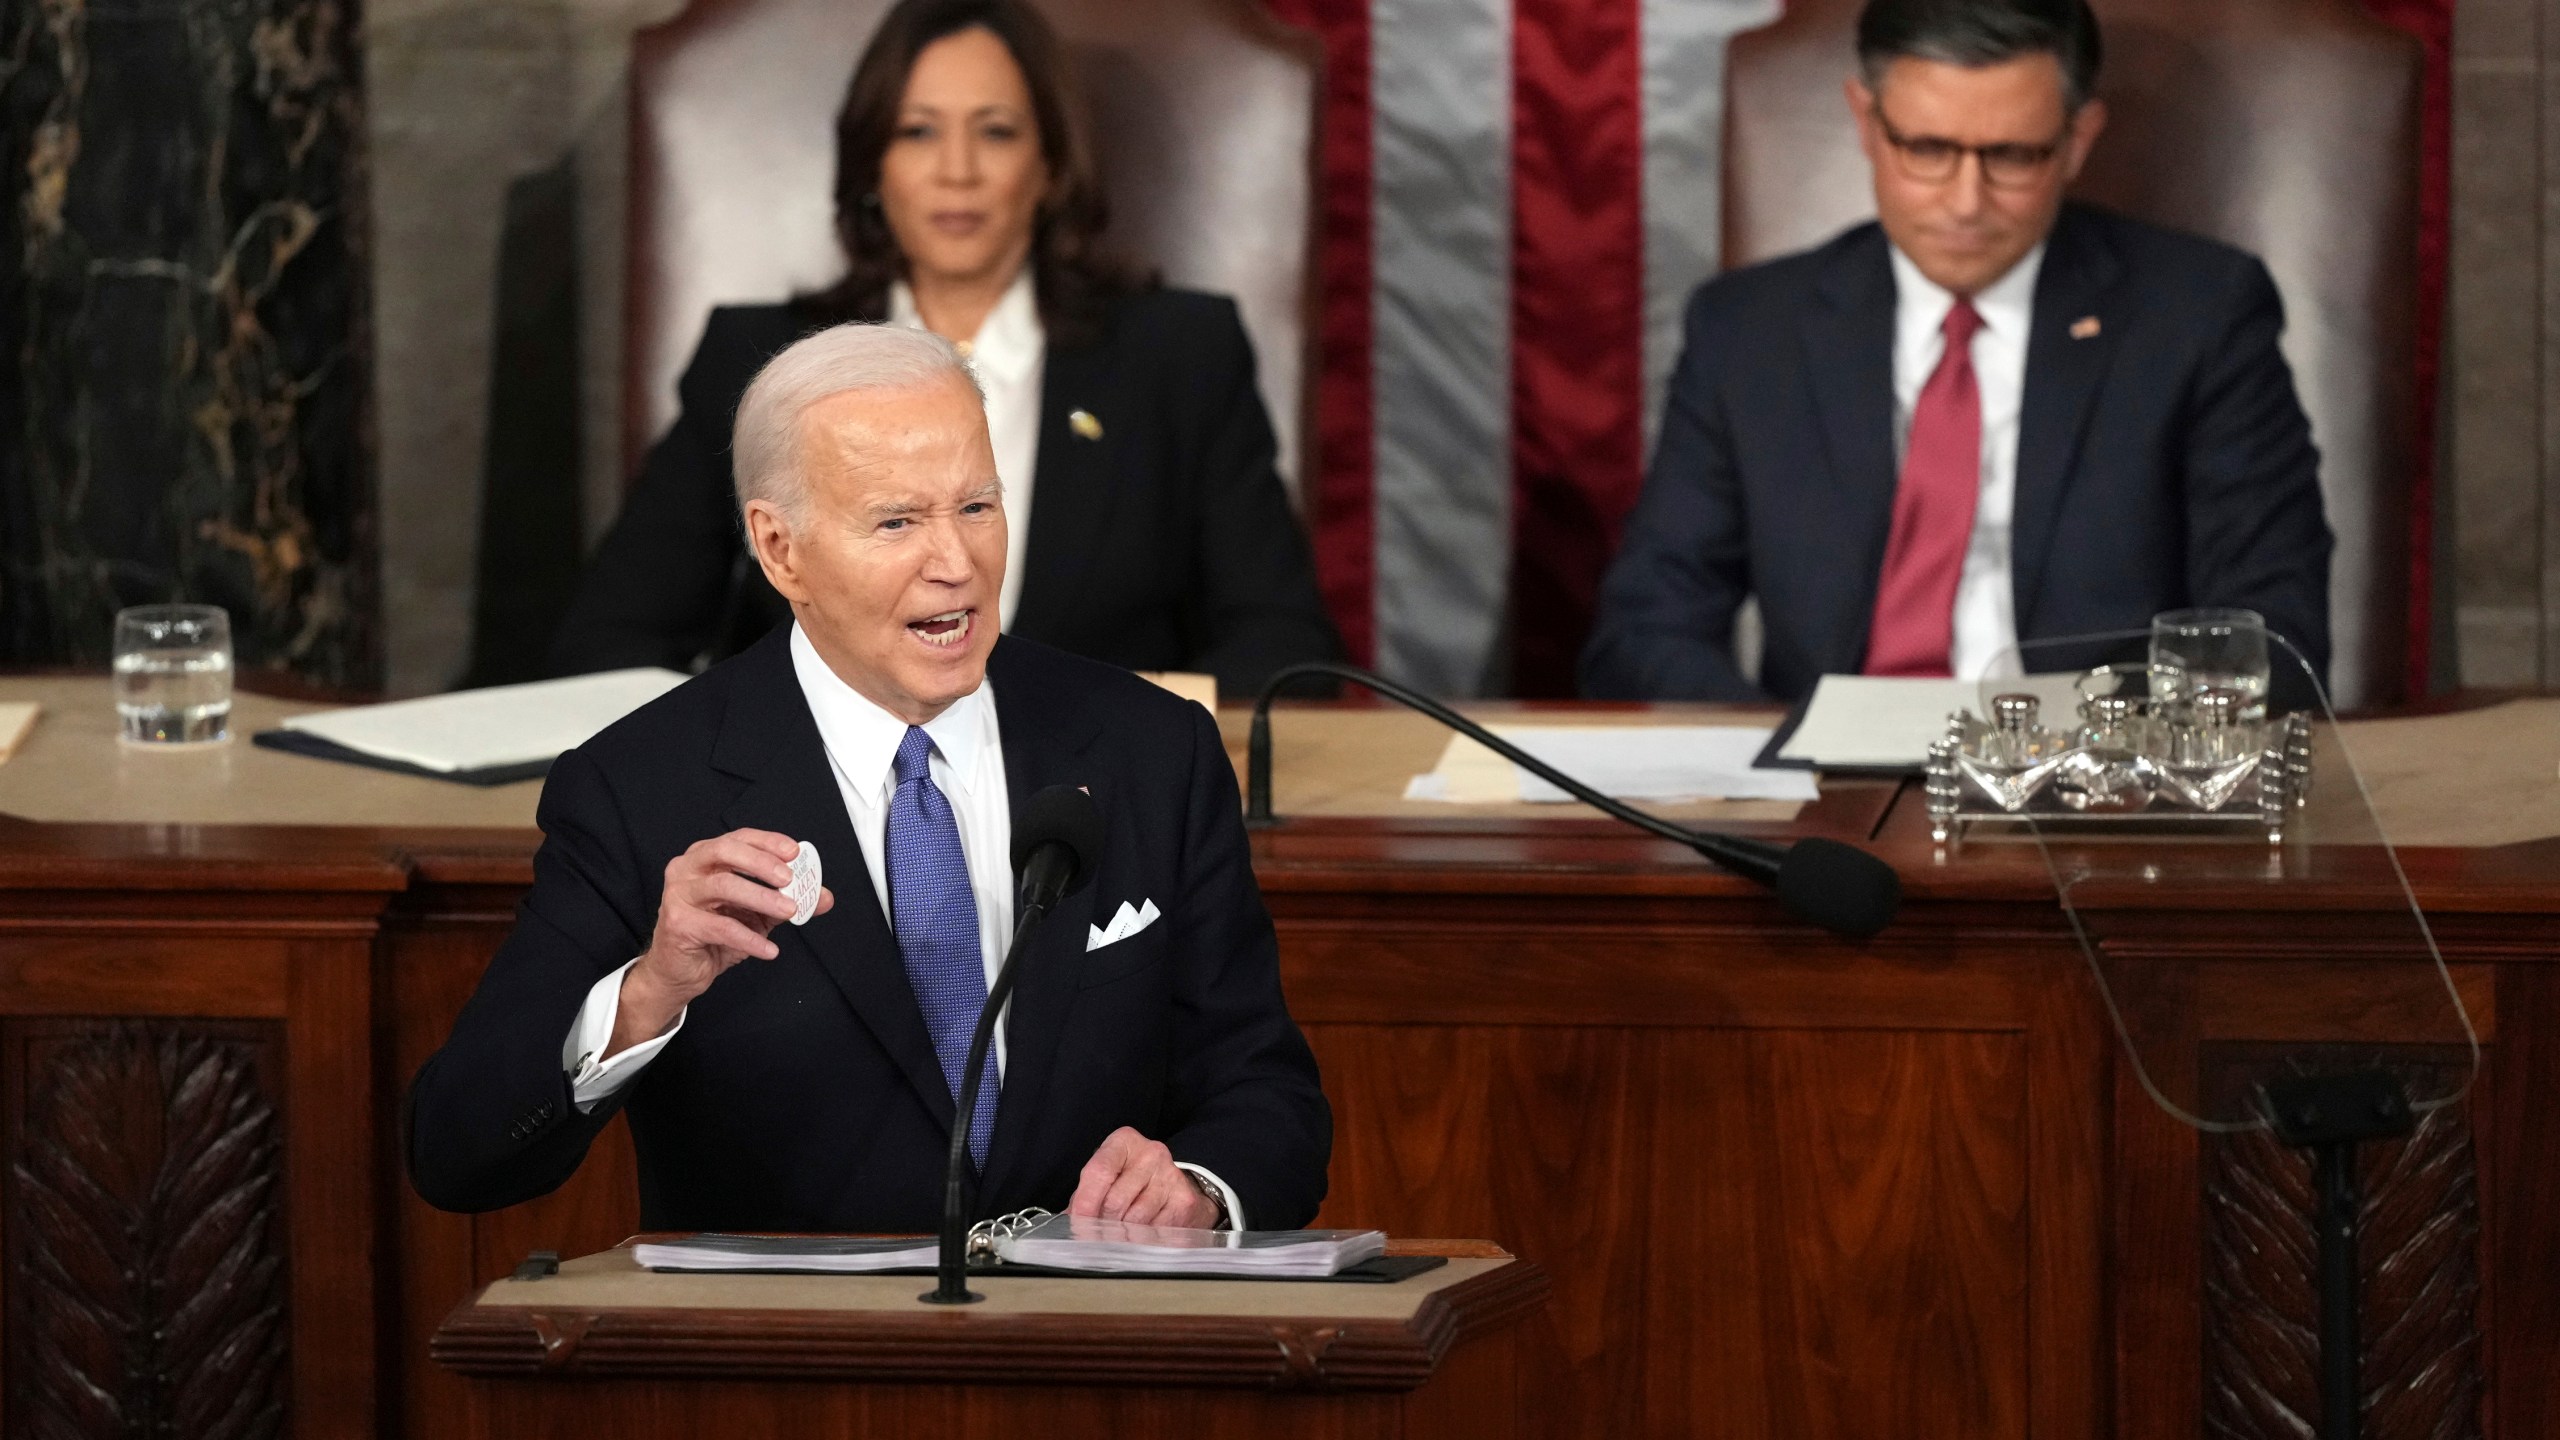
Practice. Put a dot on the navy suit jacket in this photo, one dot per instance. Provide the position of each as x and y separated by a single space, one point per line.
1164 542
2163 462
802 1093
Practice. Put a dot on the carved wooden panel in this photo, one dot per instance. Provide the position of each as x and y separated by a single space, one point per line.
2420 1251
145 1288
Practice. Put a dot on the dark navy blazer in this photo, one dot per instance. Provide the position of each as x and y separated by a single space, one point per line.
802 1093
1161 538
2163 462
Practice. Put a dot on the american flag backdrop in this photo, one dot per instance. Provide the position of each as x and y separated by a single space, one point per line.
1518 195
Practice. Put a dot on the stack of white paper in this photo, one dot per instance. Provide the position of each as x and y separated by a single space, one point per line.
1889 720
502 725
1628 762
828 1254
1064 1242
17 717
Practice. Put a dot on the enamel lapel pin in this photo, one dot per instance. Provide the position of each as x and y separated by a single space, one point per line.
2081 329
1084 424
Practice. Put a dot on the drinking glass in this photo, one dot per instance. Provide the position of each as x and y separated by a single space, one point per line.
173 674
2197 650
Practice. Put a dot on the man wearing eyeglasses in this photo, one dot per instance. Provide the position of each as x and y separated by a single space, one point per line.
1992 415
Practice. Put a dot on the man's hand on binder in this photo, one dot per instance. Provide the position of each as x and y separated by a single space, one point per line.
1133 1178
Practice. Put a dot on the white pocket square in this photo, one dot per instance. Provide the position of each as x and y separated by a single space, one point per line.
1130 920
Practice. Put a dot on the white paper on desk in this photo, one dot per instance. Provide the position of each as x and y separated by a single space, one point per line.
17 717
1630 762
1893 720
501 725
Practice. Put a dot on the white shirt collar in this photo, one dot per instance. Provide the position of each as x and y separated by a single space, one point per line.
1009 341
862 739
2006 305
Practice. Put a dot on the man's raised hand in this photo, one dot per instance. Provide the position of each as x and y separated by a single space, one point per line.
720 903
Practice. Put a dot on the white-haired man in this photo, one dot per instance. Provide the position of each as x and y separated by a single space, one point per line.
783 1078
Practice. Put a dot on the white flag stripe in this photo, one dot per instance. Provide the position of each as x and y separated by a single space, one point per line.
1441 127
1684 44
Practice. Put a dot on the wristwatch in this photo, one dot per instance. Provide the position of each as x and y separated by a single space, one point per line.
1201 1183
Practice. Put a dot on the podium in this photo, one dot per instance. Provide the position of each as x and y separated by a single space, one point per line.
606 1348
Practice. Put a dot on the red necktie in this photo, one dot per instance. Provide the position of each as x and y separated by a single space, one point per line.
1914 623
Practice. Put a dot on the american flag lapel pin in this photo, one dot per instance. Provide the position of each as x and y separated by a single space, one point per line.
2084 327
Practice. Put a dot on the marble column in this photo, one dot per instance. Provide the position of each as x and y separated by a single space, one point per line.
185 363
2502 347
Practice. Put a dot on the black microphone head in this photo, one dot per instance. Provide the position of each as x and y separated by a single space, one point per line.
1839 887
1064 816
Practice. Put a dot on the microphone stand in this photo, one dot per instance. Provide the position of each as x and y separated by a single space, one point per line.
1755 859
952 1265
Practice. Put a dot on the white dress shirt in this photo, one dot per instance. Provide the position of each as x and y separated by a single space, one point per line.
1008 355
861 742
1986 618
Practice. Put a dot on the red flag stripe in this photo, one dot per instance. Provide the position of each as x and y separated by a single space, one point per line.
2431 22
1340 476
1577 309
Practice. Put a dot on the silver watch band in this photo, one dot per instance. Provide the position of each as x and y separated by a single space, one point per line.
1201 1183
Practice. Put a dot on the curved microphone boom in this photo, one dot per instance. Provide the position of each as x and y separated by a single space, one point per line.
1055 842
1839 887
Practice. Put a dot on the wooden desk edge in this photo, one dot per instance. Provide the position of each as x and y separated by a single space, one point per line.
947 1347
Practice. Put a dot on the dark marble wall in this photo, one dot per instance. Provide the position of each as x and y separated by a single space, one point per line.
184 357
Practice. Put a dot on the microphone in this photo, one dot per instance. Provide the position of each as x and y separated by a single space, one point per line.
1060 833
1054 845
1839 887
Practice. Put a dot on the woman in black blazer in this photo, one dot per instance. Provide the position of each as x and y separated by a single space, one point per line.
1158 535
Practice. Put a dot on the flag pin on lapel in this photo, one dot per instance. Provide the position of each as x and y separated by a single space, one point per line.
1083 423
2084 327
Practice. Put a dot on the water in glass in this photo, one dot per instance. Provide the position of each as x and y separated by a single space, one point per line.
178 696
2178 685
2193 651
173 675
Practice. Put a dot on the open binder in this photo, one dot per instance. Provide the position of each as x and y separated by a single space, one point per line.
1035 1242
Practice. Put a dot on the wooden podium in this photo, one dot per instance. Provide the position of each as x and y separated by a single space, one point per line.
1752 1157
606 1348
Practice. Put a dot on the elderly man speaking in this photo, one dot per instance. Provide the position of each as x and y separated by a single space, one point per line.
803 1078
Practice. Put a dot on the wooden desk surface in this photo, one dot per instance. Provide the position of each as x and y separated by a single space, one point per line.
73 768
1335 761
2473 798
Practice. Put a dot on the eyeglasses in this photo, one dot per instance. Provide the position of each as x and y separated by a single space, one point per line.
2009 165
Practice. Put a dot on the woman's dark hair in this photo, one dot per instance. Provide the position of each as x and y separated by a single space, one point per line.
1974 33
1073 276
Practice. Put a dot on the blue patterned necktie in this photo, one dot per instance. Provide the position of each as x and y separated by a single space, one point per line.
937 922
